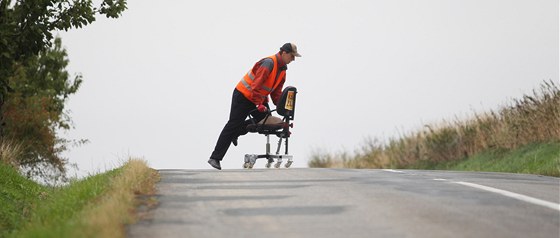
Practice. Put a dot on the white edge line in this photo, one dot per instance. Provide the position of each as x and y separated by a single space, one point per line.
392 170
518 196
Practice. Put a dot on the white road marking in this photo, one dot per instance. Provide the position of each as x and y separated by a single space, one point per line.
525 198
394 171
517 196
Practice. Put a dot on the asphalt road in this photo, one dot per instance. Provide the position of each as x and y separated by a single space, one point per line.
351 203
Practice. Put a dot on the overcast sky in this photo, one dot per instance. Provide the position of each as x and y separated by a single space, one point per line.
158 80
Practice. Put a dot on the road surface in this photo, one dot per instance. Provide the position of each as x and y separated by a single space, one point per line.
351 203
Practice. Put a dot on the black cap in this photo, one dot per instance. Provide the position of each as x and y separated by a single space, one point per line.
290 48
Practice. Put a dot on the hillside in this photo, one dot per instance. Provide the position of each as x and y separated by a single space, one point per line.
521 137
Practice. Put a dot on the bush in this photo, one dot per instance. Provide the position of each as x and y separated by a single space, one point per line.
35 111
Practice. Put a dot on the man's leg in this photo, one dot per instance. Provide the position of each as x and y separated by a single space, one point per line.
257 117
240 108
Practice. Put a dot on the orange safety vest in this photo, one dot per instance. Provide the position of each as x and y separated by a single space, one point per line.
246 83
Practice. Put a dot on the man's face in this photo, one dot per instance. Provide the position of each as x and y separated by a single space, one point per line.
288 57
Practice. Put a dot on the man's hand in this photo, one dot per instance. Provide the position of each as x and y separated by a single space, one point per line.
262 108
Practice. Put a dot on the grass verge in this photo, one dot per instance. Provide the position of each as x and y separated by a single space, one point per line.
522 136
97 206
543 159
18 198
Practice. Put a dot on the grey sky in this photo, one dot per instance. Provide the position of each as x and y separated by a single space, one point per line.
158 80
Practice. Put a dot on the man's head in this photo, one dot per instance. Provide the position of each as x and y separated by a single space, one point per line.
288 52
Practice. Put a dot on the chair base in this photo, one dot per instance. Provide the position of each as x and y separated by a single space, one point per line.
251 159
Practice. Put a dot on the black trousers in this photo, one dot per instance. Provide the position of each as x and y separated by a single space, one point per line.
236 126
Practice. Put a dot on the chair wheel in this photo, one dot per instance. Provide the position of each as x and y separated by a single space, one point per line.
268 165
277 165
288 164
249 161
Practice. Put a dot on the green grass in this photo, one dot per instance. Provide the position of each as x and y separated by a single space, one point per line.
32 210
97 206
18 198
543 159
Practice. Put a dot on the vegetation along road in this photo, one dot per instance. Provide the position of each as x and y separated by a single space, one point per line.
351 203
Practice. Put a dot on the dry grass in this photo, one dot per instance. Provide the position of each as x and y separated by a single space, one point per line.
533 119
107 217
10 152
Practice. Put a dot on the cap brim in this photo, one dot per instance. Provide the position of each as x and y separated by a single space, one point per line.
296 54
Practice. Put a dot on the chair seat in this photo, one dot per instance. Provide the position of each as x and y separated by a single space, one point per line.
272 125
271 120
270 129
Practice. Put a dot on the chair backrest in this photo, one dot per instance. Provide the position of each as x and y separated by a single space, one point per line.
287 105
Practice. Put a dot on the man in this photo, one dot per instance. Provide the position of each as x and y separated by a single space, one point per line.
266 78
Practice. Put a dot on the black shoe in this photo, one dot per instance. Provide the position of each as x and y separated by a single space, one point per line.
234 141
215 164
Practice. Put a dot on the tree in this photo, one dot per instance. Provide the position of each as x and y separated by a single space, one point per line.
27 26
34 84
34 111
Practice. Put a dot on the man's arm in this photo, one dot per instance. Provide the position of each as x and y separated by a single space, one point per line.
261 71
275 95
